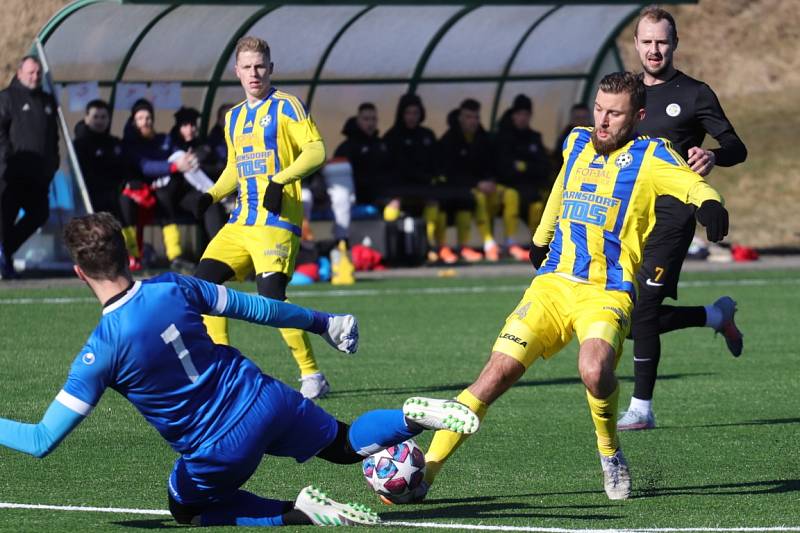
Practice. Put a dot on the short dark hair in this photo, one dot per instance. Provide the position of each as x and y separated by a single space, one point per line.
98 104
657 14
625 82
470 104
95 244
367 106
30 57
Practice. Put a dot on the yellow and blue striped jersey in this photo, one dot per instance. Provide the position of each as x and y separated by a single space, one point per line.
602 208
263 140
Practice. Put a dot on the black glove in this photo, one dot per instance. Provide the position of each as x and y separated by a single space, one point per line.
537 255
715 219
273 198
203 203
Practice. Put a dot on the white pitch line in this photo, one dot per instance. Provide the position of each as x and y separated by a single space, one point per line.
423 290
117 510
480 527
431 525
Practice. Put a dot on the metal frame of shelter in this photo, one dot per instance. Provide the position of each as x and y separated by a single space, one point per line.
317 80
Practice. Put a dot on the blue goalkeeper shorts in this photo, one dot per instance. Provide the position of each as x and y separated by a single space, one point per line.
280 422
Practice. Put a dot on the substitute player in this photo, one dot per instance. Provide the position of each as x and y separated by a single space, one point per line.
209 402
597 219
272 144
683 110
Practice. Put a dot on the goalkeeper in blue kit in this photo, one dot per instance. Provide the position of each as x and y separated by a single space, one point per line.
210 403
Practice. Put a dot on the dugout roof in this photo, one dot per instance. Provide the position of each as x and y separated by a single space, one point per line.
335 55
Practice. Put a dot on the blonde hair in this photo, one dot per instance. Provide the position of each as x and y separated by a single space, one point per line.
252 44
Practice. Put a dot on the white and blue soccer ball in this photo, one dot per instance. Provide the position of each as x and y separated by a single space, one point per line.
396 472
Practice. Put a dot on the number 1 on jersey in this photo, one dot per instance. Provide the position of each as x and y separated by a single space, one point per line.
172 336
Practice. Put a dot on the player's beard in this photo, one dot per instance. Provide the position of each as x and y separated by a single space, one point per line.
615 141
656 72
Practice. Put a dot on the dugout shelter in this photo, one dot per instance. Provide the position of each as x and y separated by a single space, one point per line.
335 55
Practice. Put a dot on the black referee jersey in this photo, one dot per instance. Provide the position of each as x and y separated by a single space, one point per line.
683 110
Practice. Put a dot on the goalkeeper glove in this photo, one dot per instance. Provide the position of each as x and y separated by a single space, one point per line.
715 219
203 203
537 255
273 198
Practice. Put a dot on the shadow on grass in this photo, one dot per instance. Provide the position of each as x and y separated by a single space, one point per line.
458 387
778 486
499 510
760 422
157 523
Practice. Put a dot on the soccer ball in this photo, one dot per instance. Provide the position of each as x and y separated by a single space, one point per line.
395 472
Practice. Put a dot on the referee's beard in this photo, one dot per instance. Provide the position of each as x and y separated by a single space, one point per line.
616 140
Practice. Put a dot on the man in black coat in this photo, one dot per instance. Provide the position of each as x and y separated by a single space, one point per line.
102 160
28 158
523 166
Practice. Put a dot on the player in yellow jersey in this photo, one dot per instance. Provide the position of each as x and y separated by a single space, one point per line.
272 144
589 247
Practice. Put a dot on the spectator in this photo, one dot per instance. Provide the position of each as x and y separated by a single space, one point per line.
151 151
579 115
101 158
412 152
367 154
184 137
467 166
216 137
523 169
28 159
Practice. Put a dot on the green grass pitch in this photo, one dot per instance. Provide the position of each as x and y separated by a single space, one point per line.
725 453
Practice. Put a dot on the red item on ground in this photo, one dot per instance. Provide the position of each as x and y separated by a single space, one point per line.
743 253
308 269
366 258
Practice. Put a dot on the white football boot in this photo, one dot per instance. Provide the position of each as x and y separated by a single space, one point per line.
314 386
616 476
324 511
441 414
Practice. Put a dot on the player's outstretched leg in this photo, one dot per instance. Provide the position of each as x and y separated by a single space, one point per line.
733 337
323 511
441 414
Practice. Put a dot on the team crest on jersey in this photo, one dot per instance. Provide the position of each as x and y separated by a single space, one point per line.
623 160
673 110
266 121
88 358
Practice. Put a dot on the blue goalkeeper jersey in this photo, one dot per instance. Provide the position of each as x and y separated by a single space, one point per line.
151 346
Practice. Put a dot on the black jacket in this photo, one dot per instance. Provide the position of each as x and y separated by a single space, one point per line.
102 159
28 135
465 163
369 158
522 160
412 152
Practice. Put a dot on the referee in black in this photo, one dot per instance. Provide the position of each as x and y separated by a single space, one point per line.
683 110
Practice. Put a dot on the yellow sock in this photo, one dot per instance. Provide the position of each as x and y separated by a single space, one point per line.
445 443
535 211
463 227
510 212
430 214
298 343
129 234
482 216
217 328
604 416
441 228
172 241
390 214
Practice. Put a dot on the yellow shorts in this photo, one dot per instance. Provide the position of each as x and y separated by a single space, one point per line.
259 248
553 308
